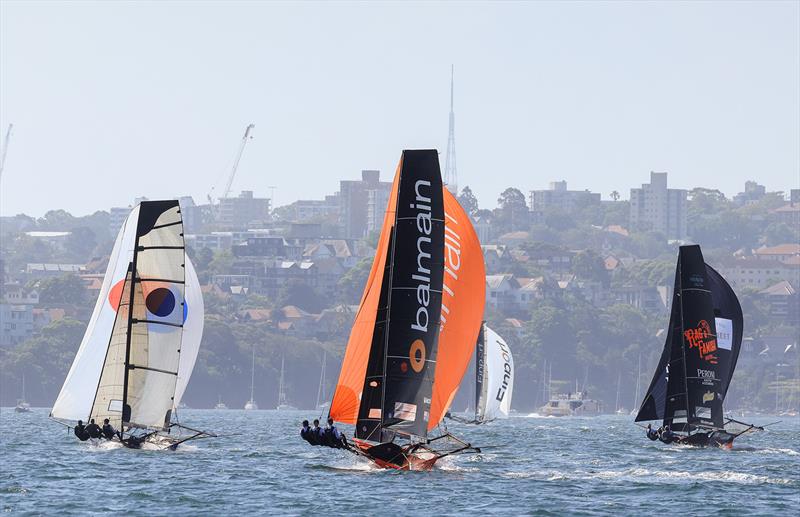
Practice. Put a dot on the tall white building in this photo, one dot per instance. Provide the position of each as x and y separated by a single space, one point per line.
654 207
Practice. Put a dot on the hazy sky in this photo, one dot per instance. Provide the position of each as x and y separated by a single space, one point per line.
114 100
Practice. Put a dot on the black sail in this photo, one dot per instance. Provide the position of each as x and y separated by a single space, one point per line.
655 398
729 326
402 358
694 372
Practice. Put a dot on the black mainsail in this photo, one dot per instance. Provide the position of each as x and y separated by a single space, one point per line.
702 346
397 391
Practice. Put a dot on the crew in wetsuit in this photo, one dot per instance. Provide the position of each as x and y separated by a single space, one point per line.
93 430
80 431
333 438
108 430
317 432
308 434
667 436
651 433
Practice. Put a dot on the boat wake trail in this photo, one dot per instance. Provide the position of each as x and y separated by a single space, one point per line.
636 475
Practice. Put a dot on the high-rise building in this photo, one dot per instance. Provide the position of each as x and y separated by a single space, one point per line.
557 196
362 204
752 193
654 207
240 212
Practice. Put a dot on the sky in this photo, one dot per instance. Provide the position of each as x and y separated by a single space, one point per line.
111 101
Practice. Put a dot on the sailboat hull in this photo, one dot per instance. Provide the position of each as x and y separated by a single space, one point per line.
393 456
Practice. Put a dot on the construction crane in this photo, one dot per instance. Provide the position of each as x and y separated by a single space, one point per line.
5 149
247 136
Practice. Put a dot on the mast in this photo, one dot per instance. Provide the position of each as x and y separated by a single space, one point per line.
126 369
619 379
281 395
638 378
253 375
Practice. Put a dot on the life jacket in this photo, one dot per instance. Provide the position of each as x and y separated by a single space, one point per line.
108 431
652 434
307 434
93 430
80 432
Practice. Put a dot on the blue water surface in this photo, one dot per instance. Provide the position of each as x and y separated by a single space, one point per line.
530 466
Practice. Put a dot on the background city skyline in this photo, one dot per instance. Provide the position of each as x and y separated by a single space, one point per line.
596 94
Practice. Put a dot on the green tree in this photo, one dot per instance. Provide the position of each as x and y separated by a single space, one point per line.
80 243
68 289
301 295
588 265
351 284
512 213
468 201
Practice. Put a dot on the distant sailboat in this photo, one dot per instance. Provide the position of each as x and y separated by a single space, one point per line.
283 405
140 346
322 402
493 383
617 409
638 383
22 405
220 404
251 404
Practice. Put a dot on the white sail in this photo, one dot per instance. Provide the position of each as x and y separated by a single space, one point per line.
75 400
192 331
127 367
498 378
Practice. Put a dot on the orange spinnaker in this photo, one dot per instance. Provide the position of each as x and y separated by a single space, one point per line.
463 299
346 399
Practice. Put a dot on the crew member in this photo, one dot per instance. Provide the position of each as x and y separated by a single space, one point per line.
667 436
80 431
307 434
317 433
108 430
93 430
333 438
651 433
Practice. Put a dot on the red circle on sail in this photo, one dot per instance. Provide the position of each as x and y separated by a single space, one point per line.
115 294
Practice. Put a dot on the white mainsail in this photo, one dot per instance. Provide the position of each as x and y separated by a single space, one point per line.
77 395
149 316
192 331
498 378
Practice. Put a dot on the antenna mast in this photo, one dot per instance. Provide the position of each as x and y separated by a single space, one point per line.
450 173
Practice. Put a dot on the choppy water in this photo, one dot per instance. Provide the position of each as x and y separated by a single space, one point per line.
538 466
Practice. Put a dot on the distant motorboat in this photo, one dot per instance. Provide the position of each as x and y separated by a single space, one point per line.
220 404
571 404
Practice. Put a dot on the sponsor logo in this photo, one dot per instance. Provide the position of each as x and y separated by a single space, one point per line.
703 340
452 265
417 351
697 280
501 391
724 328
708 396
706 374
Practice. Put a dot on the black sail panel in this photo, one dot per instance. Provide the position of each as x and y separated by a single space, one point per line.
368 425
417 269
655 398
701 353
729 323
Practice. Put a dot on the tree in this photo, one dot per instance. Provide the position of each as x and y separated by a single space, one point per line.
615 195
468 201
588 265
301 295
512 212
352 283
62 289
80 243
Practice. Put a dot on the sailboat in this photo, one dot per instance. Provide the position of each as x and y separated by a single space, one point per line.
416 325
699 357
322 402
22 405
494 378
141 344
282 404
251 404
638 383
220 404
617 409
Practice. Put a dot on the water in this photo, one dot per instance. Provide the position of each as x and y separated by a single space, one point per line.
536 466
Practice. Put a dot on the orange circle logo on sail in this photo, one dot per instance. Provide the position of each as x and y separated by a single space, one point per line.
416 355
